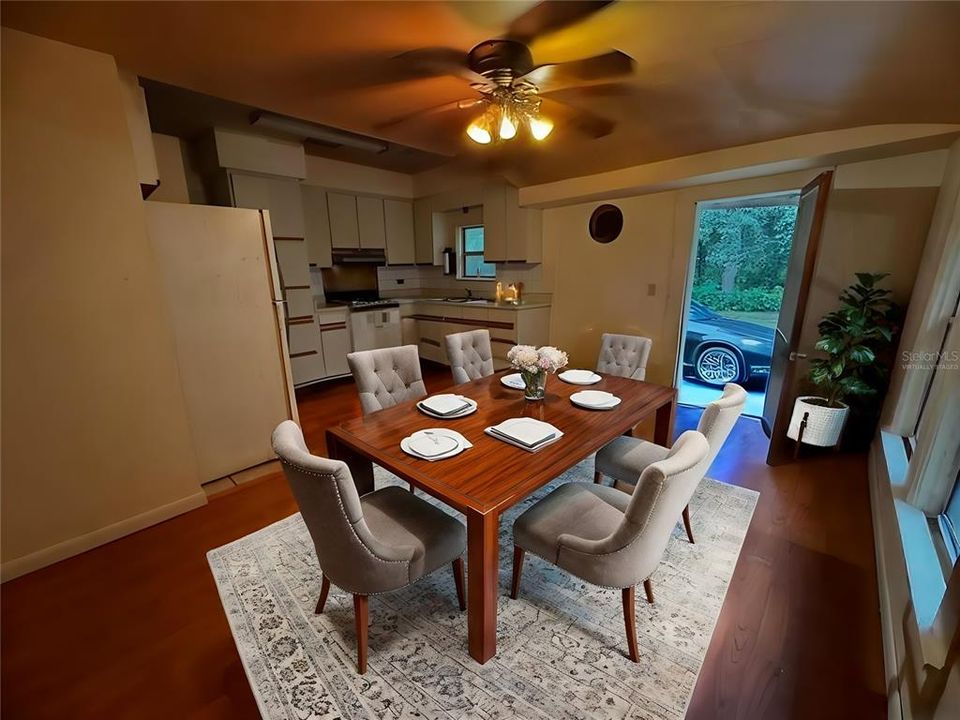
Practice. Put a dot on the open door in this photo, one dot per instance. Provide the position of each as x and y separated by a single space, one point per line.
778 403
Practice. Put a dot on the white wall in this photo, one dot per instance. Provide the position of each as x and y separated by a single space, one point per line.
96 441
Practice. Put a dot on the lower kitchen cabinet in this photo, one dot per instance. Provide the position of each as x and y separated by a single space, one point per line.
507 327
335 339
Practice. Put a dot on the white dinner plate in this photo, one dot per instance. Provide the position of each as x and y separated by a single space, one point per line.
514 381
580 377
595 400
435 444
463 413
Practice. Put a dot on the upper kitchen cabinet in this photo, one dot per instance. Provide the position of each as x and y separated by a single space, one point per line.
370 223
423 231
401 243
510 233
316 224
138 125
344 228
280 196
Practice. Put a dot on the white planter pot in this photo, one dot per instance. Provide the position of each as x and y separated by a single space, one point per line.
824 424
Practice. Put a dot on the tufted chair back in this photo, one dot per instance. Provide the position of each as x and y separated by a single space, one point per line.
624 355
350 555
632 551
387 377
470 355
720 416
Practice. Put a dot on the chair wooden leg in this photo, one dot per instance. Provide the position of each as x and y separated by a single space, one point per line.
648 588
630 623
458 579
362 619
324 591
686 524
518 553
597 477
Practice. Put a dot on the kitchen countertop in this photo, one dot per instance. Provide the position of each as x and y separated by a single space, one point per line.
476 303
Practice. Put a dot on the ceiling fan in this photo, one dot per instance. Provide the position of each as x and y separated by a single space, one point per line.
510 88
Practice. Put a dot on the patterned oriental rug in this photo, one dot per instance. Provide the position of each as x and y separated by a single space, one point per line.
561 649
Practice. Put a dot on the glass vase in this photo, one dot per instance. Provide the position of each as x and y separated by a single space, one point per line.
534 384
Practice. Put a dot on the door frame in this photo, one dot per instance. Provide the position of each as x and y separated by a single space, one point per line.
699 205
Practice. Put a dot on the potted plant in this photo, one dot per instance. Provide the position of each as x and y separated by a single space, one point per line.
534 364
854 337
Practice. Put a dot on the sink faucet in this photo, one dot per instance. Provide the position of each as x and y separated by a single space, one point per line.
469 294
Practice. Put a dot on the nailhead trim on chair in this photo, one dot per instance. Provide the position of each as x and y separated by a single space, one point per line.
351 524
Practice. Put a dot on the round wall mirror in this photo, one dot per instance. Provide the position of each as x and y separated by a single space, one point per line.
606 223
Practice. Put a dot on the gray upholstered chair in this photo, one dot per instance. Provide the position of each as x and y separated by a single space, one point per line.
470 355
624 355
624 458
366 545
387 377
607 537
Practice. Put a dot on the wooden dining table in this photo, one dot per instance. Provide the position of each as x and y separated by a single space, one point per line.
485 480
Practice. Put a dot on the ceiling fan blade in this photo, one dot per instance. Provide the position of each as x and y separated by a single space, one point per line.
464 104
580 72
551 15
438 61
584 121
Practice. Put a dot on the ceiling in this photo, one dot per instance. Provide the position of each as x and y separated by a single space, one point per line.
708 75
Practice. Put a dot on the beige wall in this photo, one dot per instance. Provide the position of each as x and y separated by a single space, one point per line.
171 170
95 434
357 178
637 283
868 230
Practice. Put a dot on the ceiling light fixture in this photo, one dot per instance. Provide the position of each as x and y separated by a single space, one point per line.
508 107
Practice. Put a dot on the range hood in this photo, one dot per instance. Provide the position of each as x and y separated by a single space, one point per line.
357 256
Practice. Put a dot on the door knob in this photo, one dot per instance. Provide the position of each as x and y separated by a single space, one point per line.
794 356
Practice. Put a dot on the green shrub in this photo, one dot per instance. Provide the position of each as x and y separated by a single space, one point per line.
739 299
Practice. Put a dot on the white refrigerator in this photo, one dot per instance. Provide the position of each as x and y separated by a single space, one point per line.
223 295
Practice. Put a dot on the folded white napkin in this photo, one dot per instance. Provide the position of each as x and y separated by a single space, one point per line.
446 404
527 433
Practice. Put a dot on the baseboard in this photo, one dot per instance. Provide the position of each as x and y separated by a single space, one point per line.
74 546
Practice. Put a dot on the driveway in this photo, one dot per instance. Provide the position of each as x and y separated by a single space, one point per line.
693 393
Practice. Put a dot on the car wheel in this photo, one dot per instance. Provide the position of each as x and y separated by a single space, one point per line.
717 366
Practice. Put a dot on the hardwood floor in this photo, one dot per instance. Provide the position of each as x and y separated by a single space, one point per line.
134 629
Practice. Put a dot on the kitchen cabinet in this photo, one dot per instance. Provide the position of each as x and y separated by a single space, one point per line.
370 224
335 339
344 229
400 235
423 231
292 262
510 233
306 352
281 197
316 225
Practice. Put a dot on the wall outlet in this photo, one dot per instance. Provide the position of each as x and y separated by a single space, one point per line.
400 281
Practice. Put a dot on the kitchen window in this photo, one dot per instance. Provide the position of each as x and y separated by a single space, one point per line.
472 264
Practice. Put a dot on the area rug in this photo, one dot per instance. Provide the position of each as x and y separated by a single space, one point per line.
560 647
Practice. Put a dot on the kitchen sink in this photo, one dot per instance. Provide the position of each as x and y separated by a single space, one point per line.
456 299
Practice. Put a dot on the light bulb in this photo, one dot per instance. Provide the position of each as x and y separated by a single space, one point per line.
540 127
477 131
507 127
